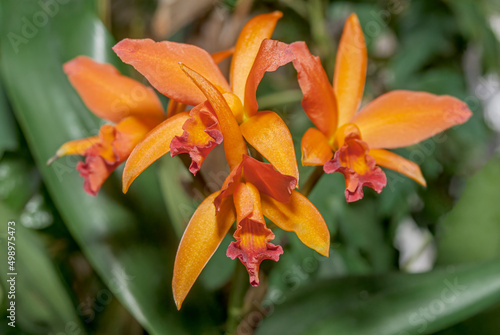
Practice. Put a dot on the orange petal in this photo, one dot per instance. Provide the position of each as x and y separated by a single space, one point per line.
153 146
267 133
271 55
76 147
401 118
350 70
397 163
201 134
222 55
202 237
319 100
267 179
234 146
252 236
247 46
175 107
300 216
108 94
315 148
159 63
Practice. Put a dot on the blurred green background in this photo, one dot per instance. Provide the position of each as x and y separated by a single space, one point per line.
103 265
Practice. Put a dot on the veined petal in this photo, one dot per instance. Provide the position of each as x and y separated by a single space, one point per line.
319 101
201 134
222 55
152 147
272 54
315 148
350 70
397 163
201 238
252 236
401 118
108 94
267 179
300 216
357 166
159 63
75 147
234 146
253 33
270 136
114 146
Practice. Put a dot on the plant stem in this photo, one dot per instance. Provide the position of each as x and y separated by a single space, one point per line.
237 298
312 181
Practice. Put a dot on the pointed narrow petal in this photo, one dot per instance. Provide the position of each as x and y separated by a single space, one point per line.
358 168
315 148
350 70
401 118
153 146
267 179
201 134
252 236
247 46
272 54
397 163
270 136
76 147
108 94
201 238
159 63
222 55
300 216
229 185
234 146
319 101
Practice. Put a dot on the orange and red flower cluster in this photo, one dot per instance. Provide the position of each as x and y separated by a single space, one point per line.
345 140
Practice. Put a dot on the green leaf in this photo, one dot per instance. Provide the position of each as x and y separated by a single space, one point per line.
471 231
8 133
131 250
390 304
42 304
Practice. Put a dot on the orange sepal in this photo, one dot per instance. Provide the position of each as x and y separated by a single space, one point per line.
401 118
175 107
234 145
251 36
252 236
159 63
397 163
201 134
108 94
319 101
350 70
272 54
300 216
315 148
152 147
222 55
75 147
201 238
270 136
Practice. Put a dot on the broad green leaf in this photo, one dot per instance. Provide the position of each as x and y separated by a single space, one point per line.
8 133
132 252
471 231
42 304
391 304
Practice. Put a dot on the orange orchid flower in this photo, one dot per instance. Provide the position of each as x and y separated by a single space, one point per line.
133 108
254 54
395 119
251 191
